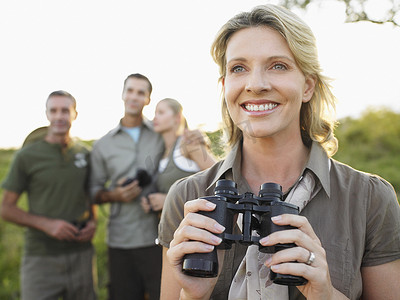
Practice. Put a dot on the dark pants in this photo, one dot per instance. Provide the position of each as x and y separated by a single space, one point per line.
135 273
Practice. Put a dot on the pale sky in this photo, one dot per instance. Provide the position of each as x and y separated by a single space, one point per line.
89 47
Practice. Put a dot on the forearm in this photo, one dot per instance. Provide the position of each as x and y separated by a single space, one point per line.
203 158
14 214
105 196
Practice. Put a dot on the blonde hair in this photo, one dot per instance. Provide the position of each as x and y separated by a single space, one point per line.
177 109
316 121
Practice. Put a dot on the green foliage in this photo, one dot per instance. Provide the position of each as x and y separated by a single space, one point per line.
371 143
217 144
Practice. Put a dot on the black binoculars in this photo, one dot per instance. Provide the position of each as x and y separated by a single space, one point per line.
256 212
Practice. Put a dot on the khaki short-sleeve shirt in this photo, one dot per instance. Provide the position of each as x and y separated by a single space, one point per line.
355 215
115 156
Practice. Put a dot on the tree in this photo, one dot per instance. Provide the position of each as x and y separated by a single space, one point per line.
359 10
371 143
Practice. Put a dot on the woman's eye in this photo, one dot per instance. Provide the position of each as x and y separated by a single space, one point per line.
279 66
237 69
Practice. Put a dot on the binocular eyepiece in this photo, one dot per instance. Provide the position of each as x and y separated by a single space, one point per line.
256 212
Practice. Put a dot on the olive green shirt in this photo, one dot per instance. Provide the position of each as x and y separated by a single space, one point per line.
355 215
116 155
55 180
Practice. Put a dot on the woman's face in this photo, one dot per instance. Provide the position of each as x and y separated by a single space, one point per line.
264 87
164 118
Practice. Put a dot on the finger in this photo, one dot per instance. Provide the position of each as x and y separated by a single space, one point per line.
300 222
201 221
176 252
290 236
314 274
69 228
199 229
298 254
198 205
292 268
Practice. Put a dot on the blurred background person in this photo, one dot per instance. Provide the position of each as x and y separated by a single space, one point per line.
134 259
53 169
186 152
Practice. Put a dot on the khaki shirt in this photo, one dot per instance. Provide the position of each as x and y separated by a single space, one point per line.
115 156
355 215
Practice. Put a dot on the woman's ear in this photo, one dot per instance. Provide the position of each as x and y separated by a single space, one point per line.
310 82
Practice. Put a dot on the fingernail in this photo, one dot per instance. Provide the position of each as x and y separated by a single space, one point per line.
211 205
268 261
275 267
216 239
208 247
219 227
264 240
276 218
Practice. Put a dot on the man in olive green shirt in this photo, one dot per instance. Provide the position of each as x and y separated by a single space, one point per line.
53 171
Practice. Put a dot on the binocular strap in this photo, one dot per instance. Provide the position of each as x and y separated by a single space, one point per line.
252 280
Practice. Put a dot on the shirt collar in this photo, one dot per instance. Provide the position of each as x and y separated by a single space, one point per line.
231 163
146 123
318 163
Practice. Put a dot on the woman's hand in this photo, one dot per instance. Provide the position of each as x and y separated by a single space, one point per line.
157 201
194 235
294 260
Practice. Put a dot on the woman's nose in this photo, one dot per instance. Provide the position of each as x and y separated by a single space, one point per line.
258 82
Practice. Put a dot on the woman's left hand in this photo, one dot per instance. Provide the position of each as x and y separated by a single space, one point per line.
157 201
296 260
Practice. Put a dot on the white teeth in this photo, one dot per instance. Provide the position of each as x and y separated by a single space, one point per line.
253 107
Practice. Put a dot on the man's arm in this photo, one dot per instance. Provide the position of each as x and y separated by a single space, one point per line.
381 282
119 194
58 229
98 178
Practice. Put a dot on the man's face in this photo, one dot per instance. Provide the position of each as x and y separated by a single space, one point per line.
60 112
135 96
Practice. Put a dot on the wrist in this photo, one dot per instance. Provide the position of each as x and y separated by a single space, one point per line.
105 196
185 296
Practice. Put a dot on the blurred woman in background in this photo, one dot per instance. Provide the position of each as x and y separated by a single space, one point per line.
185 153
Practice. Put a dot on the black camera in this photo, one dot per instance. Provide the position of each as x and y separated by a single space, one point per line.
257 212
142 176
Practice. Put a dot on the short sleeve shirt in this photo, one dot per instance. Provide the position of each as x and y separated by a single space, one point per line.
355 215
115 156
55 180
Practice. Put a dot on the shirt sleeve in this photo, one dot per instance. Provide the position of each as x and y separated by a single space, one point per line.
383 224
172 213
98 171
17 177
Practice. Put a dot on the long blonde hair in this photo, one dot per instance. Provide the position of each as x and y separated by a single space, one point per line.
316 116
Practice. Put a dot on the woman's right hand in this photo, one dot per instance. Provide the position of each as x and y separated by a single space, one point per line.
194 235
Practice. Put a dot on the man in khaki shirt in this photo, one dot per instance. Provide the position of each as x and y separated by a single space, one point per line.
134 258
